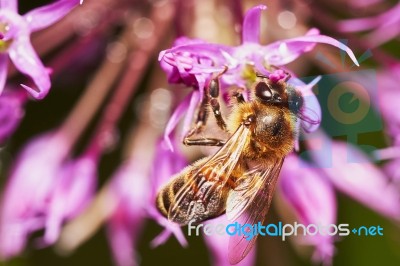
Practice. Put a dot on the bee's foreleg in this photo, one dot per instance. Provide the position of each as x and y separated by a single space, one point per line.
238 95
204 142
213 91
201 119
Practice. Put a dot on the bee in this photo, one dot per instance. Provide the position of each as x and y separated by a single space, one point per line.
240 178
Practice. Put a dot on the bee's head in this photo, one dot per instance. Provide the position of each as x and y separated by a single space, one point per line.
280 94
268 92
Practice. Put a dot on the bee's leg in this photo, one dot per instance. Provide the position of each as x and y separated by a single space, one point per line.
213 91
201 119
288 76
204 142
238 95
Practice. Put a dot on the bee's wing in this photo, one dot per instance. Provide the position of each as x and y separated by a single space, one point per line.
249 202
203 193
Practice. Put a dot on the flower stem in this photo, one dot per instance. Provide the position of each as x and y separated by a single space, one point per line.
138 61
94 94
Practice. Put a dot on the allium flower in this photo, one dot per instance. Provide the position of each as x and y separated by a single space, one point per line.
364 3
15 31
73 189
194 62
313 200
353 173
166 164
43 191
389 96
11 112
133 195
128 189
383 27
24 204
218 246
309 189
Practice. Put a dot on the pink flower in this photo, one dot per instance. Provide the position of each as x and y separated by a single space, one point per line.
194 62
166 164
15 31
218 246
309 189
24 204
313 200
128 188
353 173
11 112
382 27
73 189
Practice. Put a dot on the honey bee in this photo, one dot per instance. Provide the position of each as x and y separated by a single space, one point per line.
240 178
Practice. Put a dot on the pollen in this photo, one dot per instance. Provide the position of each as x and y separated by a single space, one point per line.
4 43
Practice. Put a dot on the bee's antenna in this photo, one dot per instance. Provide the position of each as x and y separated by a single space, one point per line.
259 75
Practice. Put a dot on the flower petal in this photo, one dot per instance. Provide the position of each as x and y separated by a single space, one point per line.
9 4
123 234
26 60
130 190
352 172
24 204
73 191
313 200
383 34
174 120
284 52
218 245
251 24
166 164
194 103
310 114
3 70
45 16
389 17
11 112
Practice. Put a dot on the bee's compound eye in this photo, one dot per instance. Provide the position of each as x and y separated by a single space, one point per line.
263 91
296 102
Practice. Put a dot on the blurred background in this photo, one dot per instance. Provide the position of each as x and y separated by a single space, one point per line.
94 47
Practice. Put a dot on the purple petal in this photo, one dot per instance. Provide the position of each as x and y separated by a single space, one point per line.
3 71
174 120
11 112
45 16
194 103
9 4
284 52
383 34
389 17
251 24
123 233
26 195
170 228
26 60
310 114
218 246
392 168
166 164
73 191
130 190
352 172
364 3
313 200
185 62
